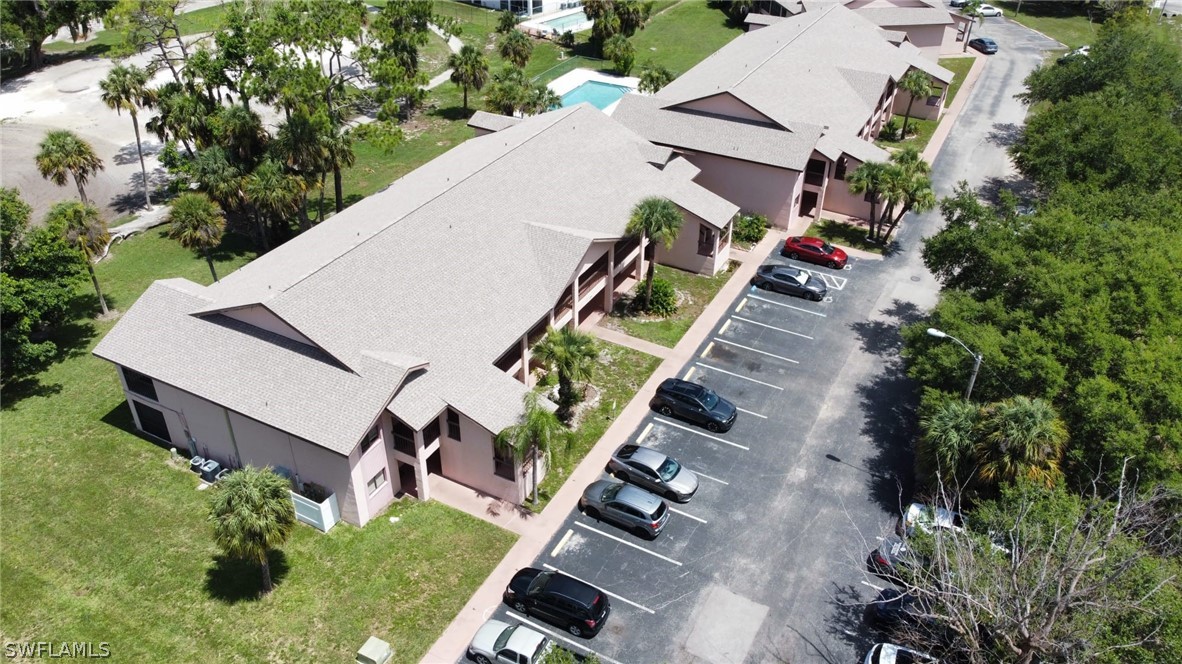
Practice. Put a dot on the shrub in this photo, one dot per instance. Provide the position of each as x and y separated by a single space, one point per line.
750 228
506 21
664 301
567 39
890 130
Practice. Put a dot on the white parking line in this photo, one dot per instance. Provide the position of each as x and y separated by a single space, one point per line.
688 516
562 638
867 583
789 306
704 435
562 542
707 350
610 594
751 412
688 373
626 542
831 280
742 302
755 350
712 479
640 438
772 327
730 373
724 326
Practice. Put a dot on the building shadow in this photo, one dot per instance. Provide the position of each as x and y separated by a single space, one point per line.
234 580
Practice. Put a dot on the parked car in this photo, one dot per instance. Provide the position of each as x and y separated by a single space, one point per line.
652 470
990 10
892 557
696 403
894 608
1081 52
629 507
889 653
958 3
928 519
558 599
790 281
498 641
814 250
984 45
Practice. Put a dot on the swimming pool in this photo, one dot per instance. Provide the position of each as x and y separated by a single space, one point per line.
564 23
600 95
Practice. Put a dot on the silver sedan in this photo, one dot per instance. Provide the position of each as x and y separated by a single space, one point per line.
652 470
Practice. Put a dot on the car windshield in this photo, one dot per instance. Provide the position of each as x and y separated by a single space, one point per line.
668 470
537 656
538 583
709 399
503 639
610 492
800 277
826 247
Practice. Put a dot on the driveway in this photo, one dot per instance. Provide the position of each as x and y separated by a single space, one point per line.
766 563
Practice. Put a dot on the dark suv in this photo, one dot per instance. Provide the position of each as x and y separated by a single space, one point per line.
695 403
558 599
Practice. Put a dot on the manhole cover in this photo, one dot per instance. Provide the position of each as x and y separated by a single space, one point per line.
915 278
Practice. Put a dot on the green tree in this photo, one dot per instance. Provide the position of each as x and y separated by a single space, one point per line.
972 9
506 22
1020 437
469 69
653 77
214 174
948 432
869 178
39 273
34 21
252 514
621 52
273 194
197 223
535 433
301 143
126 88
239 131
85 230
509 93
62 153
339 146
540 98
151 24
905 185
515 47
916 84
654 220
572 354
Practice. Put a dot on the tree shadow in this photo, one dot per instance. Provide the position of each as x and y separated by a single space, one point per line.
454 113
234 245
17 389
1005 134
72 339
1020 187
233 580
132 199
881 337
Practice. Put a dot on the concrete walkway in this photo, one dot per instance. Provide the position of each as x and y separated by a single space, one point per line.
455 45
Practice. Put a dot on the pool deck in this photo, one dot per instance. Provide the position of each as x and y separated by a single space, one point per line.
536 25
576 77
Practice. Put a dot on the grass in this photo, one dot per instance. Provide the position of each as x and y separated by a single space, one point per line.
697 291
960 67
105 541
189 23
433 57
846 235
620 373
679 37
1067 22
923 130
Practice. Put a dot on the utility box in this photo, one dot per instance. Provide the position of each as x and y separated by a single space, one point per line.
209 470
375 651
195 463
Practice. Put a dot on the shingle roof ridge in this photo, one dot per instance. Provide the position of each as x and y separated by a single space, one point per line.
786 44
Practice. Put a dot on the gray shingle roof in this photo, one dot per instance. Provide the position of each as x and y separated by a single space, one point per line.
491 121
449 266
929 14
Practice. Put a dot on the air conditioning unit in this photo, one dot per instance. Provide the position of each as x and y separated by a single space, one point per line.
375 651
209 470
195 463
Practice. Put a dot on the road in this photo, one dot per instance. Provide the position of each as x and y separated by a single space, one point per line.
766 563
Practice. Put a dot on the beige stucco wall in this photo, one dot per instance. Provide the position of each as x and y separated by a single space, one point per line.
927 38
469 460
839 199
753 187
725 104
370 463
261 317
684 252
921 109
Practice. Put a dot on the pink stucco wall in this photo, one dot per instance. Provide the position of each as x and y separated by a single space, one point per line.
684 252
839 199
753 187
725 104
469 460
261 317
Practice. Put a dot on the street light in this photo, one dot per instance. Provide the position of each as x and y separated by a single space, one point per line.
976 358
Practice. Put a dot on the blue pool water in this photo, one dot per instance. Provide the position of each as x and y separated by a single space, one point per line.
564 23
600 95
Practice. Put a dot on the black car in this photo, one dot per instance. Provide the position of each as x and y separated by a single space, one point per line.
693 402
984 45
894 608
893 559
558 599
790 281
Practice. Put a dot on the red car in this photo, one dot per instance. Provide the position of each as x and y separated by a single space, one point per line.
814 250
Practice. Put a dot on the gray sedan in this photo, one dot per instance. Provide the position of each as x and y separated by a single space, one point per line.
790 281
634 509
648 468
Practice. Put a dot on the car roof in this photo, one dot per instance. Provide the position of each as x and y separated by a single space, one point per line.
646 456
807 239
638 498
525 640
583 593
486 637
685 386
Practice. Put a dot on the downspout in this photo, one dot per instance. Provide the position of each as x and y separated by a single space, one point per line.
233 439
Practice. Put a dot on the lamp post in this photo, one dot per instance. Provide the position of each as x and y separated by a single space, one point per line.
968 392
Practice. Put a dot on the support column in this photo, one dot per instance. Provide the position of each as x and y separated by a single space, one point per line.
609 284
574 314
421 468
526 375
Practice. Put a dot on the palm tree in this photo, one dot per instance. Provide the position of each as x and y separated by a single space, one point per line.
905 182
469 69
339 146
654 219
509 92
84 229
506 21
515 47
252 513
197 223
240 132
535 433
916 84
867 178
1021 437
621 52
973 11
541 99
947 439
273 194
654 77
126 88
300 144
215 175
572 354
63 153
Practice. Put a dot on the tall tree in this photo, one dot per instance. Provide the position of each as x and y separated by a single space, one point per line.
572 354
151 24
197 223
653 77
948 429
972 10
252 514
469 69
905 185
213 173
916 84
339 146
1021 437
868 178
506 21
126 88
301 144
534 434
86 231
36 20
239 131
654 220
64 153
515 47
273 194
621 52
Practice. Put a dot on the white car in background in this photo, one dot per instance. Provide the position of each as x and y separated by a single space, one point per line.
990 10
928 518
499 642
888 653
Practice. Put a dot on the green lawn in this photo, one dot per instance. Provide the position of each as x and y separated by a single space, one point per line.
696 290
960 67
681 36
845 235
190 23
1067 22
919 133
619 374
433 57
105 541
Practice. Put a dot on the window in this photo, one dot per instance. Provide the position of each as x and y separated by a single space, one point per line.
453 424
839 168
705 240
934 98
151 421
370 438
140 384
377 481
404 438
431 432
502 462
